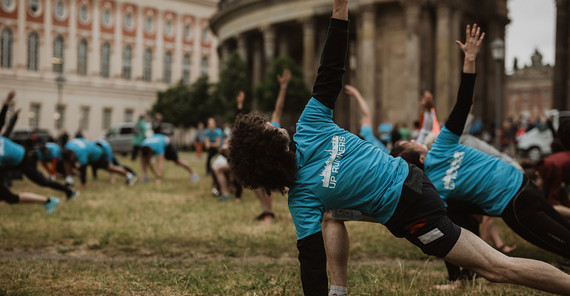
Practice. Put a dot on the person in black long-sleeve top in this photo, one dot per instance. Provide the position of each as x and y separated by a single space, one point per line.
331 168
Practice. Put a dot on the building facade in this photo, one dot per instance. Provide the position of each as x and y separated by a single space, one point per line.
88 64
529 90
398 48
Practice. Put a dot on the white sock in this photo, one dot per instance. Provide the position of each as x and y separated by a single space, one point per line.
337 291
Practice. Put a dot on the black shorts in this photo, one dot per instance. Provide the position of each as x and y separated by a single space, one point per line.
101 163
7 195
421 216
170 153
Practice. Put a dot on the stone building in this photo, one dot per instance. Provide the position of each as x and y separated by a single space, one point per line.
91 63
529 90
398 48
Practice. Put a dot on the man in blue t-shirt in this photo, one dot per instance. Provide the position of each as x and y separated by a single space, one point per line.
161 146
213 142
333 169
96 154
51 153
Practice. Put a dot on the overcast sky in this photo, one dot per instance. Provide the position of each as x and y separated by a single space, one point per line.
532 26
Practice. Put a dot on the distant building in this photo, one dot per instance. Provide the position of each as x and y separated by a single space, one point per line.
529 90
88 64
398 48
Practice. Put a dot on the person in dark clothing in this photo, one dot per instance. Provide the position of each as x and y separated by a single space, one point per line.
332 168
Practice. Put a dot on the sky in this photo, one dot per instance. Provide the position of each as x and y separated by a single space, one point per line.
532 26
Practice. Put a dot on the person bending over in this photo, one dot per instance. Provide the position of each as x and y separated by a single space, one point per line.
334 169
161 146
87 153
49 154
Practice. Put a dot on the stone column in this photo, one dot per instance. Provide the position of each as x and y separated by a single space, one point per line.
95 58
20 38
138 50
117 53
224 51
242 46
257 59
309 38
177 54
442 62
412 72
46 43
366 40
560 98
268 45
72 45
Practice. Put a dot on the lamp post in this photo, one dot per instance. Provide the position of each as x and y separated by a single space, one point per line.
498 52
59 80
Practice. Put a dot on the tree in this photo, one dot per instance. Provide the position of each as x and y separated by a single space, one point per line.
297 92
233 79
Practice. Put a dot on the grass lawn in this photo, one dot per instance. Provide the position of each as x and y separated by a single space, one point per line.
176 239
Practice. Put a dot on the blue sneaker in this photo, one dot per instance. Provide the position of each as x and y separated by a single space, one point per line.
51 205
195 178
225 197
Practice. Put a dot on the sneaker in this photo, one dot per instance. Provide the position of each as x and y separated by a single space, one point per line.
225 197
72 194
51 205
215 192
194 178
131 179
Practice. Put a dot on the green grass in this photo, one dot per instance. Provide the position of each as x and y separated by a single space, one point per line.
176 239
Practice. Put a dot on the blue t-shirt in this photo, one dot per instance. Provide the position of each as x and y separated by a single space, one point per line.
463 173
106 148
366 133
157 142
217 133
11 154
86 152
338 170
54 151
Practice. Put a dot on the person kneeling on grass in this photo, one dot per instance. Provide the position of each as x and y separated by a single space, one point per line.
161 146
334 169
90 153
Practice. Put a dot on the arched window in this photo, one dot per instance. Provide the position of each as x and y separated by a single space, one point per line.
82 57
204 66
167 67
58 54
147 65
6 46
186 69
127 62
105 59
33 42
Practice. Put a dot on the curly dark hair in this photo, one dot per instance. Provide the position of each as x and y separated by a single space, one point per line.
564 133
407 153
258 155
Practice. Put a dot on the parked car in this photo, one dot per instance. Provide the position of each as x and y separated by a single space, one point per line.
535 143
30 137
120 136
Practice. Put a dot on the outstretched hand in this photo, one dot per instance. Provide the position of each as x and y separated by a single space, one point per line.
240 98
284 78
473 41
351 91
9 97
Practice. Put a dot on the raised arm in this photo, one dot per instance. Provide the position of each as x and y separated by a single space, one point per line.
7 102
240 98
329 76
460 111
283 82
353 92
11 124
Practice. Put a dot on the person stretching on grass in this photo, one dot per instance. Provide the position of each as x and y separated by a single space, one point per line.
50 153
334 169
160 146
90 153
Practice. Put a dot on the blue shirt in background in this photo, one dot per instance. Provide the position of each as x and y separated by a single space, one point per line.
338 170
217 133
11 154
86 152
54 151
157 142
366 133
463 173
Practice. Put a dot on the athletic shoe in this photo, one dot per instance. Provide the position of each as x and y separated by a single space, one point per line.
215 192
72 194
194 178
225 197
51 205
131 179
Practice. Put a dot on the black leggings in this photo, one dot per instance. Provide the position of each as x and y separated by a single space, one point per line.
531 216
28 168
211 153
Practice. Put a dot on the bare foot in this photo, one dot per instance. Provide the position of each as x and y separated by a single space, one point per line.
451 286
